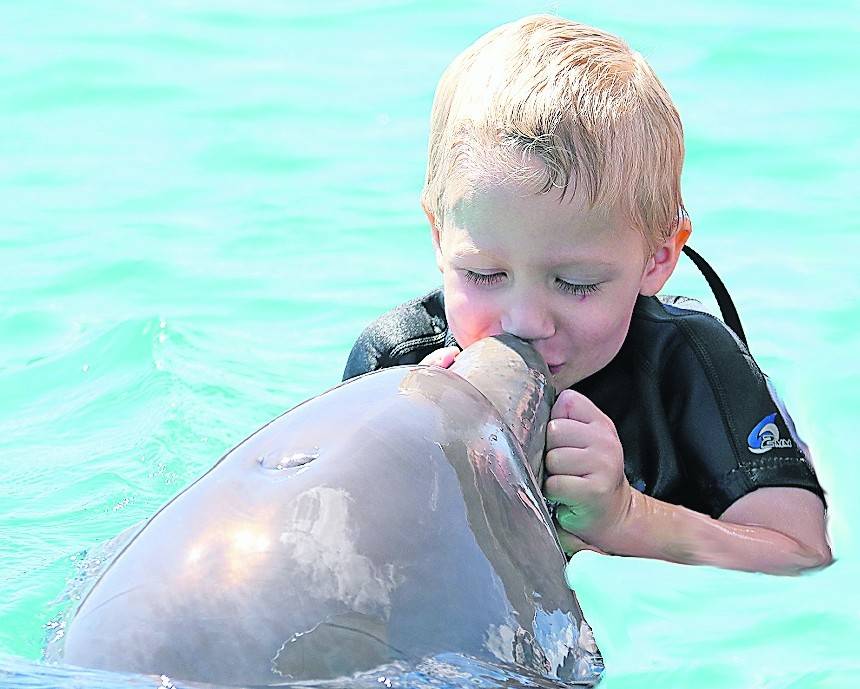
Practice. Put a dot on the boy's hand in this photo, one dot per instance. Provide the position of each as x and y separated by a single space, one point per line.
585 467
571 544
443 357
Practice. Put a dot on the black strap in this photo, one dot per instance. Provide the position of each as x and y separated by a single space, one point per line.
724 301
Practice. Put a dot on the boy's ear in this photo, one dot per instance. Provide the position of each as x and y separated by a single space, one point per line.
661 265
434 235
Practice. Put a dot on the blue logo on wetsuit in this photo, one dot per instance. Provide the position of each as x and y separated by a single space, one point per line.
765 436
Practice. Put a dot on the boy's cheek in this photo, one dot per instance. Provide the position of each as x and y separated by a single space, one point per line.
603 332
604 325
469 317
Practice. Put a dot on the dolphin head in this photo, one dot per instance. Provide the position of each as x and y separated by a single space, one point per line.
386 521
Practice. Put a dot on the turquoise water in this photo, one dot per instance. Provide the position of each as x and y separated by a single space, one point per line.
202 204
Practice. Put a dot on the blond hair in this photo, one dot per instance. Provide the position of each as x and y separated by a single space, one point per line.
575 98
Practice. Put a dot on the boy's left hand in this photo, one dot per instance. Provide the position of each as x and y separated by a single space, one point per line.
585 467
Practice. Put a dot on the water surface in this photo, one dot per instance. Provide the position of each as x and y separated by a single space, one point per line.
202 204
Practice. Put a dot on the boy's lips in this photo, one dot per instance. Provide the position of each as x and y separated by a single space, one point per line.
555 368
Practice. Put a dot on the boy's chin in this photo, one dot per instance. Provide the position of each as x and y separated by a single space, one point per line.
561 380
566 378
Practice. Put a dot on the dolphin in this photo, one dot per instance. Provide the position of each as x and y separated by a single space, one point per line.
393 518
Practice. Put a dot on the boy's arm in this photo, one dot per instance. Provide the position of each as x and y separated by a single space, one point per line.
657 529
782 530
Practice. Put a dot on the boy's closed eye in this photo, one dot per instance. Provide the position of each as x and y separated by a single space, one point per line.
487 279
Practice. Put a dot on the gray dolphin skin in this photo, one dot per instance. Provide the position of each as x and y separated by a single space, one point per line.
392 518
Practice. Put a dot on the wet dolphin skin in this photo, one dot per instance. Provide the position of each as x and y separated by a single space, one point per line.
392 518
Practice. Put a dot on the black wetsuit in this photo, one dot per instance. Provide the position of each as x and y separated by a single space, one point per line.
699 424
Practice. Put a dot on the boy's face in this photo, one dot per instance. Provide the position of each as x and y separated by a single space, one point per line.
560 275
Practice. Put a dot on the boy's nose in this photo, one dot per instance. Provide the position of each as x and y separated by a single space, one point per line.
528 321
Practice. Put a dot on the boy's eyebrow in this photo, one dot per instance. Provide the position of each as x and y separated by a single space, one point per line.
584 262
563 261
468 251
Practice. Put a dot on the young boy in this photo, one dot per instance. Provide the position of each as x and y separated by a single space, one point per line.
554 201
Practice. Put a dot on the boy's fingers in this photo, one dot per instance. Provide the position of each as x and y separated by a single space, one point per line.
569 543
571 461
573 544
568 433
574 405
447 356
566 489
443 357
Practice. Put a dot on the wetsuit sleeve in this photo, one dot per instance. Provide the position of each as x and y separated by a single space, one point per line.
403 336
365 355
733 434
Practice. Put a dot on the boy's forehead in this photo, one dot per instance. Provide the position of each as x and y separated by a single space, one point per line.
497 218
585 259
499 206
